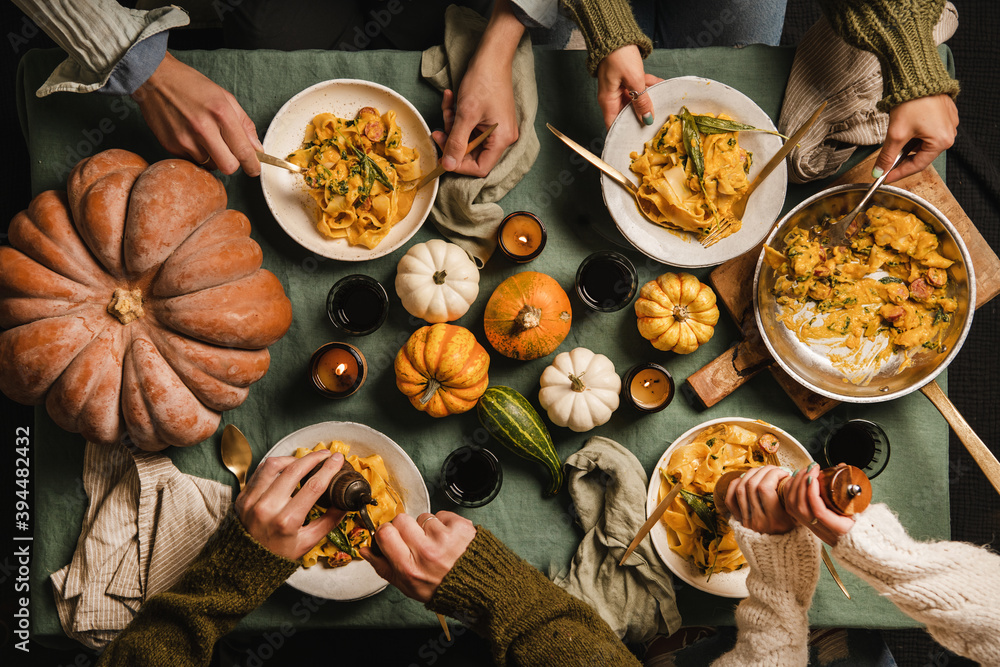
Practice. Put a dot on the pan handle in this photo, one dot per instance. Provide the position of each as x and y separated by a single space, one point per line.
977 448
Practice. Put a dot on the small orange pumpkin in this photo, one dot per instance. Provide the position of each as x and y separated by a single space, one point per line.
676 312
442 369
528 316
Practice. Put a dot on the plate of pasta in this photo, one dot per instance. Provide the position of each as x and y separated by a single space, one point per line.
705 557
363 149
687 192
333 569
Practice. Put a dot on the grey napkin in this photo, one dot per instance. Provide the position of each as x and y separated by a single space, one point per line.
465 210
828 68
608 488
145 523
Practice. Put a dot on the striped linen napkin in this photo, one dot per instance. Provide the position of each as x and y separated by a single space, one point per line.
145 523
828 68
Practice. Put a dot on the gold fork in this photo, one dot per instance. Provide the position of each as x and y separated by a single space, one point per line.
739 208
772 460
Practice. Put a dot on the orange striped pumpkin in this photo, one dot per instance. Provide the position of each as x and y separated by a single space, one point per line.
528 316
442 369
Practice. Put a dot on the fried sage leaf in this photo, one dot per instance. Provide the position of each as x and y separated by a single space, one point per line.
692 144
710 125
704 507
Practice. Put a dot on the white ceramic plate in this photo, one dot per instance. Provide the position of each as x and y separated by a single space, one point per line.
286 193
357 579
627 135
725 584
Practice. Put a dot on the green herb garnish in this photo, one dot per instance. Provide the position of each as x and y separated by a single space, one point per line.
709 125
889 279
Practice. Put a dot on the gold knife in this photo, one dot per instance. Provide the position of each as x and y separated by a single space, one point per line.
651 521
829 565
438 170
278 162
611 172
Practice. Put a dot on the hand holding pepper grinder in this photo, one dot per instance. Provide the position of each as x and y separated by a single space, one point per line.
349 491
843 488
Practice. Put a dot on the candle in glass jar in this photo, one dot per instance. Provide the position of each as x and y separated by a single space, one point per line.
650 387
338 369
521 236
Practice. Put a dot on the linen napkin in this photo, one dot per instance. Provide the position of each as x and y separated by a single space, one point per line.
608 488
145 522
828 68
466 211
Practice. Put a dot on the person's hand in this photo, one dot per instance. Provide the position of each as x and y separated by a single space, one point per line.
485 96
193 117
803 502
754 502
620 72
419 553
478 106
272 511
933 120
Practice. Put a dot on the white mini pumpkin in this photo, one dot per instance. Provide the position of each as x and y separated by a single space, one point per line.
437 281
580 389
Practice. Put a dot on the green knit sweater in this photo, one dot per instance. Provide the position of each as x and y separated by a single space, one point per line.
901 35
898 32
527 619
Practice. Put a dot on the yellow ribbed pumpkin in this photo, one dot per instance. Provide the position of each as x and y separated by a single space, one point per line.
676 312
442 369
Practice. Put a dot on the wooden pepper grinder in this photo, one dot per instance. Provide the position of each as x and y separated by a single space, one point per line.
349 491
843 488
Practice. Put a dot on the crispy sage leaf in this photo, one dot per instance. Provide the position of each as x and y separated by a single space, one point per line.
710 125
692 142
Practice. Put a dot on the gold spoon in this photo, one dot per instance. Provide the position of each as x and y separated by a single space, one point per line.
236 453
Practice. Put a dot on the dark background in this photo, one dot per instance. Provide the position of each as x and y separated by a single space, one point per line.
973 380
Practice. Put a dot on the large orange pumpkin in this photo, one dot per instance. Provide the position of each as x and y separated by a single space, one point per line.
135 303
442 369
528 316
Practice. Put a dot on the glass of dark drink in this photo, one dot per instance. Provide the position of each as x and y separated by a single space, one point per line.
357 304
606 281
860 443
471 476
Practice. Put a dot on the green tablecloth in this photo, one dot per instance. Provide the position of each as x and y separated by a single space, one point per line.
62 128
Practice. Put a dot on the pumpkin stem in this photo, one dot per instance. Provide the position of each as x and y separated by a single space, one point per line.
681 313
439 277
577 381
432 386
528 317
126 305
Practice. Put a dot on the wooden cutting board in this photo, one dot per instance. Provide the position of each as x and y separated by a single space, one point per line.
733 283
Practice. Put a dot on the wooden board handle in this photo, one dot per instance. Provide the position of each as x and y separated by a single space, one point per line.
727 372
977 448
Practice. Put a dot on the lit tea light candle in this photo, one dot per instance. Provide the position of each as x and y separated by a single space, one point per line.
521 236
648 387
338 369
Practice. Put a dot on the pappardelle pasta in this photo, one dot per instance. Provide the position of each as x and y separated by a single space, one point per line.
891 283
359 173
692 171
342 544
695 530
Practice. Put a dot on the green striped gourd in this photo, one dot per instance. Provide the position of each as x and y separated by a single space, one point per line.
509 418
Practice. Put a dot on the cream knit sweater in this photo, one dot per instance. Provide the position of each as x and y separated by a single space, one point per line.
951 587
